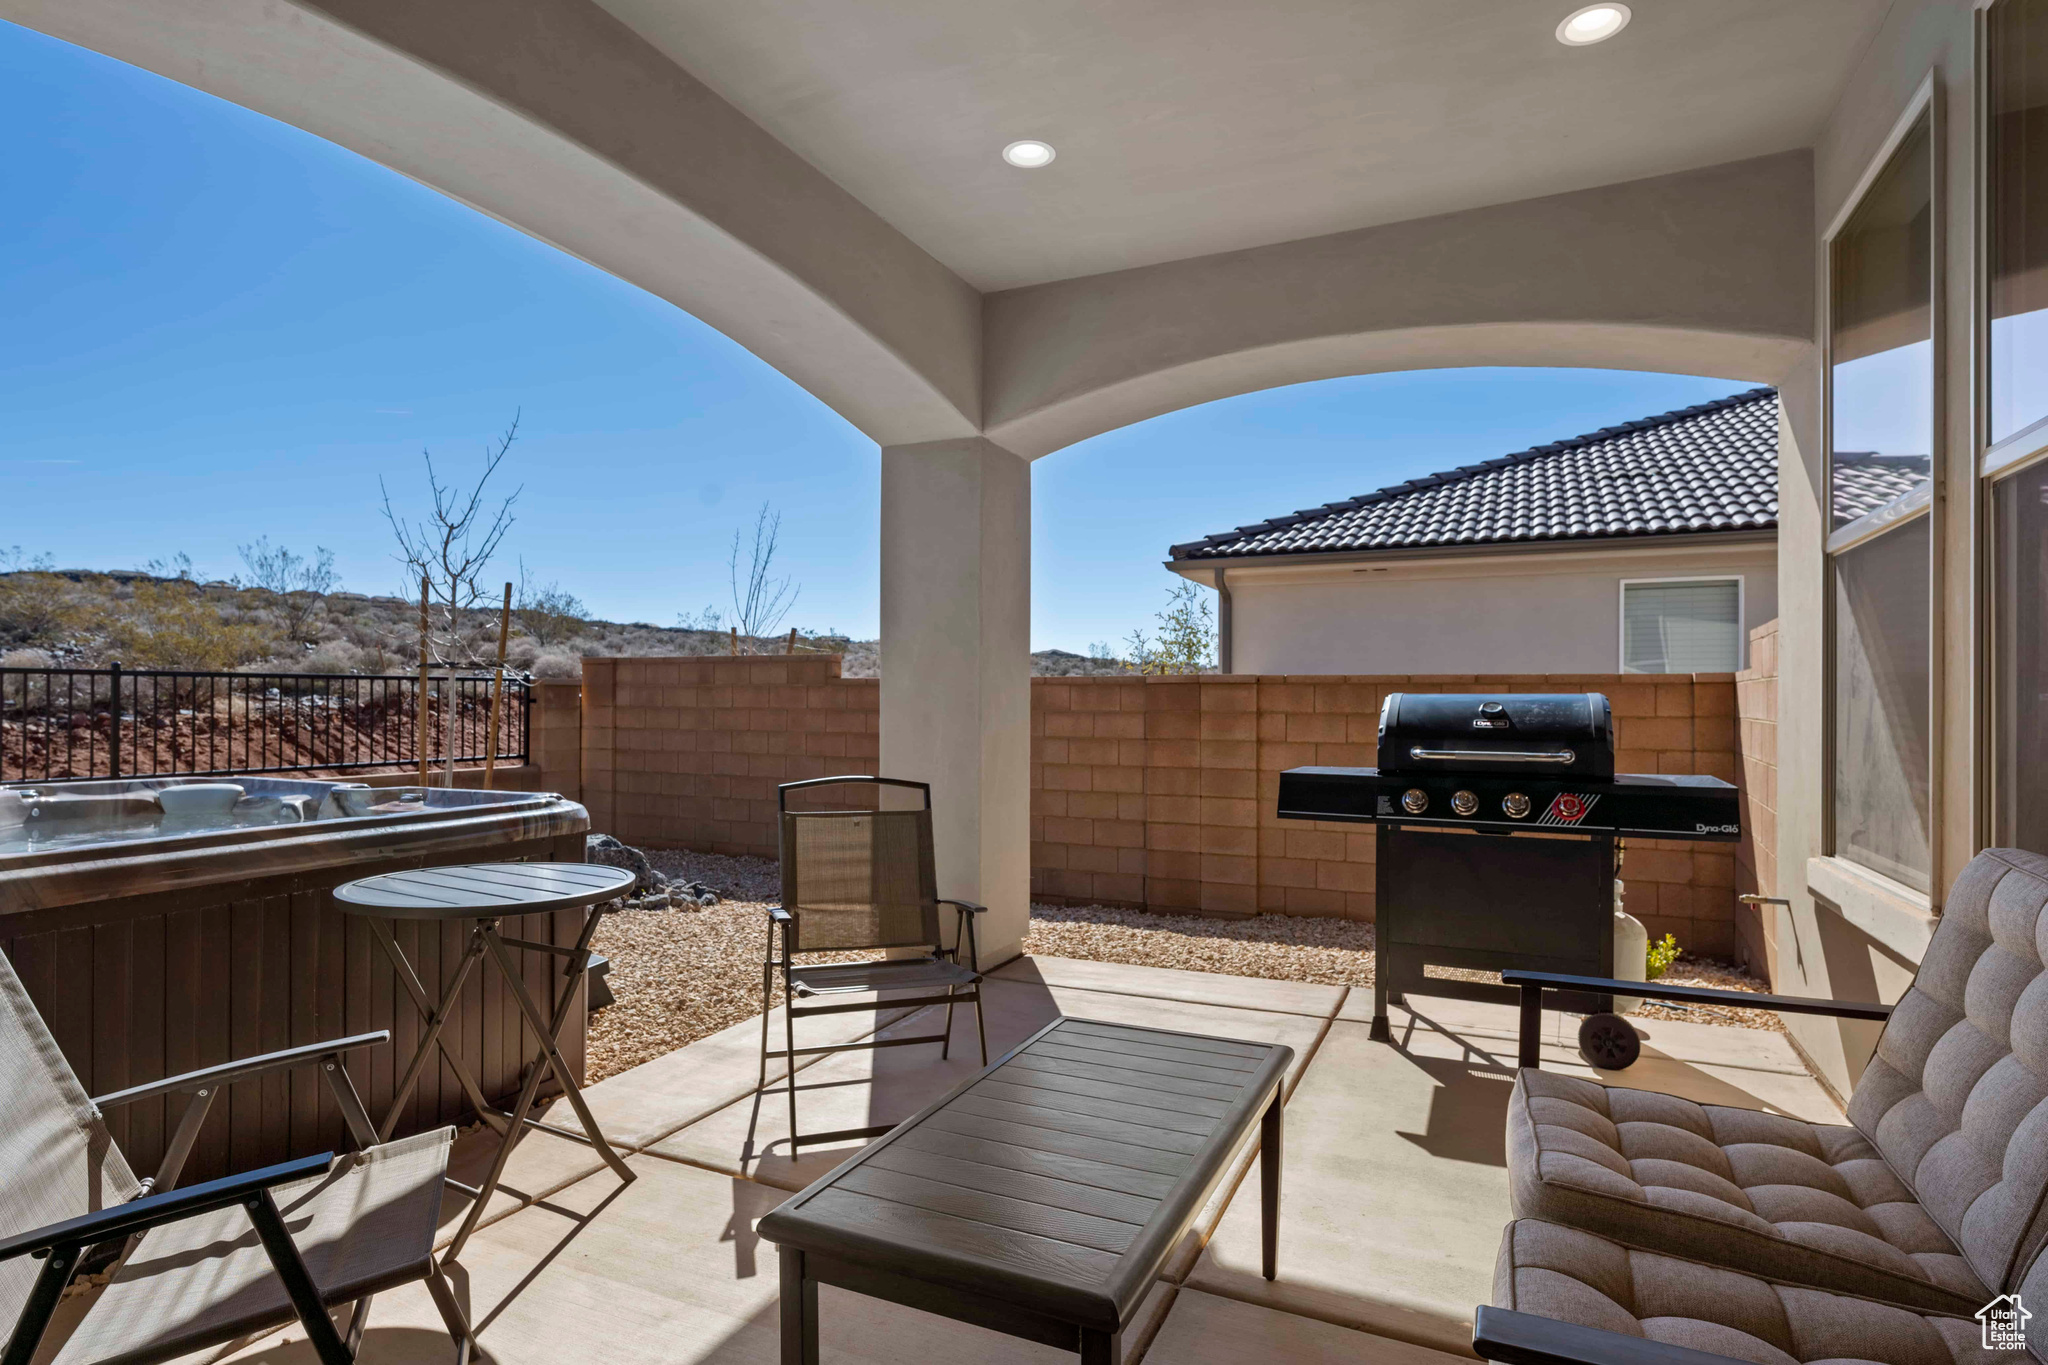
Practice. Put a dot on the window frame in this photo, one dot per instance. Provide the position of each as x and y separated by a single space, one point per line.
1996 462
1925 103
1741 582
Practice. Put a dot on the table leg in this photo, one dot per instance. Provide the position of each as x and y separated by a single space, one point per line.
437 1019
799 1311
1101 1348
1270 1140
551 1050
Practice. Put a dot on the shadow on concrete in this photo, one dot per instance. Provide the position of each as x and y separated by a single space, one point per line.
1468 1110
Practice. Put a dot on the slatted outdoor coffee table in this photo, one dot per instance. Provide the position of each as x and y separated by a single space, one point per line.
1041 1197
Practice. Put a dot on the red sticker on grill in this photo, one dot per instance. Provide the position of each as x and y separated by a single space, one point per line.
1567 808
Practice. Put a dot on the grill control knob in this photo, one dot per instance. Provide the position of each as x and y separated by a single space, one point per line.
1464 803
1515 804
1415 800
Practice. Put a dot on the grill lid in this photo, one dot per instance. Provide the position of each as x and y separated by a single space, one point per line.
1569 734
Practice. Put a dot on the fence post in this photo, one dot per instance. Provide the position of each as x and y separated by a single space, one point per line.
114 726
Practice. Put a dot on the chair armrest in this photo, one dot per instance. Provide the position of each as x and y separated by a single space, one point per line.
1524 1339
155 1210
779 915
966 910
1533 984
228 1072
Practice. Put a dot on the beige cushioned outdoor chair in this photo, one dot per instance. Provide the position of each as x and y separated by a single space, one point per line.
1928 1204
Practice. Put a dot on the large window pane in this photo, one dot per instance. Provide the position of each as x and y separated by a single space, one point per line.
1883 338
1882 662
1682 626
2019 215
2019 508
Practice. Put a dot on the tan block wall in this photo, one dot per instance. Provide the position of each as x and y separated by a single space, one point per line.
1162 792
556 744
1155 792
687 752
1756 870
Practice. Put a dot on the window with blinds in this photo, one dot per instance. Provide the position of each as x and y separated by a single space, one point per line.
1682 626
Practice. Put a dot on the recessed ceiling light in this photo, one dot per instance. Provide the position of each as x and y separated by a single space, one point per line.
1029 154
1593 24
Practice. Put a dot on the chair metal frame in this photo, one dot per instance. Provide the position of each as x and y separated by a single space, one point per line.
107 1235
787 923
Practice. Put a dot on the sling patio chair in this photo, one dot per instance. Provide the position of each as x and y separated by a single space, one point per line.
854 881
212 1262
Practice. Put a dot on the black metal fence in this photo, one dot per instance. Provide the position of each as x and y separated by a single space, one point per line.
117 722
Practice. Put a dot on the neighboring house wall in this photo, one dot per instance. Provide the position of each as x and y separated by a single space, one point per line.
1548 612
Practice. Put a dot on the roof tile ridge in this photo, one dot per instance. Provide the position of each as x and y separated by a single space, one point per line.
1465 473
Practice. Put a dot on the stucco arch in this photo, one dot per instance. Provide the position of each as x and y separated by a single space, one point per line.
1706 272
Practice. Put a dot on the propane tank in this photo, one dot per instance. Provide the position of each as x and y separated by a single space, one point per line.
1631 952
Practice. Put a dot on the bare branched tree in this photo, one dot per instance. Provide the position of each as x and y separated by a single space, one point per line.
296 585
548 612
450 548
760 601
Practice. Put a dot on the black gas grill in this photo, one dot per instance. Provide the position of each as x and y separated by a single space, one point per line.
1498 823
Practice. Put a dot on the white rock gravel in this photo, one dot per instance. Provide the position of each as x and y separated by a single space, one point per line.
681 975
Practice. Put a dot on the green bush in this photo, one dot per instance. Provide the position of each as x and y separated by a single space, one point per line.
175 625
1661 955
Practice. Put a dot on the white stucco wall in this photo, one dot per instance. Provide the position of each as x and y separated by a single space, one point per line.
1517 613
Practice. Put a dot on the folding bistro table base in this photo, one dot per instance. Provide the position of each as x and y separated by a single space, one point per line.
482 894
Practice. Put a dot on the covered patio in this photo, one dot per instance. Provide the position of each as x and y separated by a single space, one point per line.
1393 1202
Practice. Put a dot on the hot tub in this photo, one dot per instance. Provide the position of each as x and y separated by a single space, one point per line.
160 934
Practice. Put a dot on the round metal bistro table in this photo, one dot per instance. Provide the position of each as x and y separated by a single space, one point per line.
483 893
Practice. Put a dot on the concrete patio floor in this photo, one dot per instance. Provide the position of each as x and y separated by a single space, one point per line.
1394 1198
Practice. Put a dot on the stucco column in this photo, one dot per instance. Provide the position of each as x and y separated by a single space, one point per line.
956 665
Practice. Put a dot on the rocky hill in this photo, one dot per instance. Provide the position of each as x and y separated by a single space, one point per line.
84 618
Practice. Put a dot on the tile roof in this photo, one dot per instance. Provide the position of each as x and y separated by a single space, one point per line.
1864 482
1708 468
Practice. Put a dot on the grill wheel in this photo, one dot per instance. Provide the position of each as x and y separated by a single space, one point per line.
1609 1042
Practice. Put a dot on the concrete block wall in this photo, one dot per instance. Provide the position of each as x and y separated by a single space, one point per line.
1153 792
1162 792
1756 706
687 752
555 746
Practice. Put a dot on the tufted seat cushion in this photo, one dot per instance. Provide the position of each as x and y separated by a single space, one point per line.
1806 1203
1935 1194
1573 1276
1956 1097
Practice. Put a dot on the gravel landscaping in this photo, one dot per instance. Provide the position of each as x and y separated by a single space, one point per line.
681 975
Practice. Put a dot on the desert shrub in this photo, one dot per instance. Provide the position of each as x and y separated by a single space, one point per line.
176 625
335 656
37 608
557 665
548 612
27 658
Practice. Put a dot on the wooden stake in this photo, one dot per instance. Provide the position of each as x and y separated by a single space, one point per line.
497 689
792 641
735 641
426 587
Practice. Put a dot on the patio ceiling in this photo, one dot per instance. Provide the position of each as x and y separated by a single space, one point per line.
1245 195
1186 129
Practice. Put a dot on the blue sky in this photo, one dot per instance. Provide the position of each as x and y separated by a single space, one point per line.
218 327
